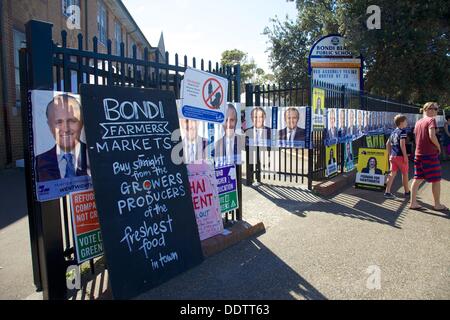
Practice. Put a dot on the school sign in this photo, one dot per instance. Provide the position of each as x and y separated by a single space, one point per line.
332 62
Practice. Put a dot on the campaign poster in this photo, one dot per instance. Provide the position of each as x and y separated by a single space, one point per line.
86 228
360 124
318 106
195 143
205 199
367 121
330 158
259 126
293 130
61 164
342 125
331 133
351 124
349 159
372 168
227 188
229 139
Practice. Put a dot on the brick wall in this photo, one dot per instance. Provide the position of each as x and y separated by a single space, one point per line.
15 14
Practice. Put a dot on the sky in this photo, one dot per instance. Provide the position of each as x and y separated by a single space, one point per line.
206 28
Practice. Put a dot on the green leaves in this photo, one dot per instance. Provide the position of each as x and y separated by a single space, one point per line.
407 59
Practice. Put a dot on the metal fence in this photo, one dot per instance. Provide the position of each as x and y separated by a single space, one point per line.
307 165
46 65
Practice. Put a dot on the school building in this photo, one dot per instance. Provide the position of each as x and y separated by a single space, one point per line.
105 19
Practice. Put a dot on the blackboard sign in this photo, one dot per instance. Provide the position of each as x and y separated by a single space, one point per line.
143 199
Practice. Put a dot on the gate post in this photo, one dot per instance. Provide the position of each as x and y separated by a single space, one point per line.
248 166
45 217
237 98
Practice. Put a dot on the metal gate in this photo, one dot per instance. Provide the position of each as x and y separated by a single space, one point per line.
45 65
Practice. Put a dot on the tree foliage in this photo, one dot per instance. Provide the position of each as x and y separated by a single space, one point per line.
407 59
250 72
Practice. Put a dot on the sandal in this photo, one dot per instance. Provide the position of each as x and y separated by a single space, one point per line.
418 208
443 209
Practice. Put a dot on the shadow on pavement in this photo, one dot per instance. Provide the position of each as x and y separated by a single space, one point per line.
354 203
246 271
13 197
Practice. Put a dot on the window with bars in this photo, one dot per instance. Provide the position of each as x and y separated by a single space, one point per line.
66 4
102 23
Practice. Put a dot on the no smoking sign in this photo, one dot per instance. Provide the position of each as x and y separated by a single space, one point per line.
204 96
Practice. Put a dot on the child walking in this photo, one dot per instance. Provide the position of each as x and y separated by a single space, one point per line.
398 158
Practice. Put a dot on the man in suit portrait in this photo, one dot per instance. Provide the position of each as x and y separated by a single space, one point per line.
292 132
259 133
194 146
351 122
67 158
359 123
342 131
227 149
371 167
332 130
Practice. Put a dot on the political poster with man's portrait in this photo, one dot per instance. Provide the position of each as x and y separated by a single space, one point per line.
258 121
331 132
342 129
372 168
292 127
61 164
229 138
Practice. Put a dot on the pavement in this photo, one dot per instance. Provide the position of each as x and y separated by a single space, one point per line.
16 278
353 245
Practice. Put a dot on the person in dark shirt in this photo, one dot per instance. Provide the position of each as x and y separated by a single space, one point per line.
398 157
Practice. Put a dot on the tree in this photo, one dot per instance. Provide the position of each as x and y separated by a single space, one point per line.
407 59
249 69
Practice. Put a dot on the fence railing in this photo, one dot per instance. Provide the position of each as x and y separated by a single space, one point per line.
300 165
46 65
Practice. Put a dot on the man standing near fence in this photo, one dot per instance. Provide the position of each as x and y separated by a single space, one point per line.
426 161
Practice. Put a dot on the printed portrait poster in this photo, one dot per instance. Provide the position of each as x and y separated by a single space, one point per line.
342 125
349 159
259 126
372 168
195 141
292 127
229 138
331 160
205 199
318 106
61 163
332 133
360 124
367 121
351 124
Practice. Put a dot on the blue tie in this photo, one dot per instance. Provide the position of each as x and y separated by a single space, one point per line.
70 169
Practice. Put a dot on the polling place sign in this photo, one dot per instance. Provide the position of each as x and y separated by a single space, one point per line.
143 198
86 228
204 96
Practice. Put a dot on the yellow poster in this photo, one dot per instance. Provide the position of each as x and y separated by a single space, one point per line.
331 160
372 168
318 108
